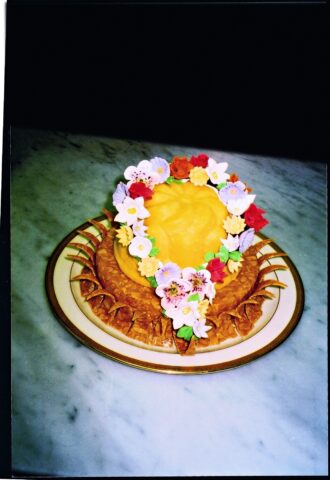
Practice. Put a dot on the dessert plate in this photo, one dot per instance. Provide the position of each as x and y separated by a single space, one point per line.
280 317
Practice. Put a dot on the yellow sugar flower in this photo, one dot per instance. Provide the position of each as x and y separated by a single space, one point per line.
203 306
234 225
124 235
198 176
234 266
148 266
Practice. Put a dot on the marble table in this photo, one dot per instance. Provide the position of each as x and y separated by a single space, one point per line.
77 413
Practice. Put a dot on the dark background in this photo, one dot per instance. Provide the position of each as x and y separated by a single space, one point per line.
235 77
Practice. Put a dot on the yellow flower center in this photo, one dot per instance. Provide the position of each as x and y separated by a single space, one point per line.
215 175
132 211
140 247
186 310
160 170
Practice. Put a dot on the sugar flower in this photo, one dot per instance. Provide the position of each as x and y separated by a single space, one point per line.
200 161
210 291
119 194
200 328
240 205
198 279
141 173
180 167
131 210
124 235
216 268
216 171
173 293
203 307
234 266
169 271
198 176
233 191
185 314
254 217
140 189
148 266
233 224
140 247
246 239
160 169
231 243
139 229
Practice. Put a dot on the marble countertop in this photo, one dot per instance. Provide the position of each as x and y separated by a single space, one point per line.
77 413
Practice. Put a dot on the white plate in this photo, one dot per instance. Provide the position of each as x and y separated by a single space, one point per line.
279 318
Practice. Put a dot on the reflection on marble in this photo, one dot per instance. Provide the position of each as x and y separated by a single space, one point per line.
76 413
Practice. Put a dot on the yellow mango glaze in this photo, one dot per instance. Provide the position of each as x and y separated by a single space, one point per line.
186 221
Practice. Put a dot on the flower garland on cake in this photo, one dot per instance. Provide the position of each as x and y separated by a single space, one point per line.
185 294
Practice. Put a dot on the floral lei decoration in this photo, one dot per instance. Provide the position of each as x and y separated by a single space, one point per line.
185 293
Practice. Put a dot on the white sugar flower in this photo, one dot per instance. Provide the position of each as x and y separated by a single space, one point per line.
141 173
200 329
199 280
173 294
140 247
216 171
239 206
139 229
131 210
231 243
160 168
185 314
210 291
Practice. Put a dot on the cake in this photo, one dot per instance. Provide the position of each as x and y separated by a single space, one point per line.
175 266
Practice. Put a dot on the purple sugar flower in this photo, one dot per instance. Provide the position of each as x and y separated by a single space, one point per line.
233 191
169 271
246 239
160 168
119 194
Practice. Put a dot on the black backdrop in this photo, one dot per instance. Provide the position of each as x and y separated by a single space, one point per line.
234 77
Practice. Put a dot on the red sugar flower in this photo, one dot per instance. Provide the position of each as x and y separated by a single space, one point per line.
254 219
180 167
216 268
233 178
139 189
200 161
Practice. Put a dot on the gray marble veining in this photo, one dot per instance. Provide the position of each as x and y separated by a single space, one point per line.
76 413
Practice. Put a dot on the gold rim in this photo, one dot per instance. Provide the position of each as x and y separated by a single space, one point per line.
89 342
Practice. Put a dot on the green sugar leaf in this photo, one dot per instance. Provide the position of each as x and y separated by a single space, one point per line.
223 254
208 256
169 180
176 180
153 252
185 332
152 281
221 185
200 267
152 240
138 259
193 298
236 256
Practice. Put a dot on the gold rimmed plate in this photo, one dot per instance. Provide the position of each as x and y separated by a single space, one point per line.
280 316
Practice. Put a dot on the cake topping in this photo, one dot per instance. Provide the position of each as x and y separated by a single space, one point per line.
210 210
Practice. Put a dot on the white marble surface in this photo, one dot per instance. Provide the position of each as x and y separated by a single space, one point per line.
77 413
